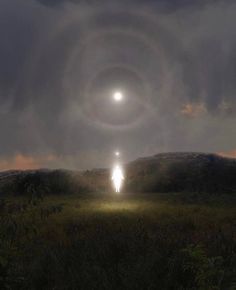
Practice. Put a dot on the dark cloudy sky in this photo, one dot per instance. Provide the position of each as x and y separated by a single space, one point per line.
60 62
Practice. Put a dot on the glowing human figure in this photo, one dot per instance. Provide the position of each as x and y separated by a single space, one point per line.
117 177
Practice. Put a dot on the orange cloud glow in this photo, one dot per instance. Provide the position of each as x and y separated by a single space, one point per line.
230 154
193 110
23 162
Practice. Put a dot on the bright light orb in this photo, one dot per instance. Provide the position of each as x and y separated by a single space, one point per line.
118 96
117 178
117 153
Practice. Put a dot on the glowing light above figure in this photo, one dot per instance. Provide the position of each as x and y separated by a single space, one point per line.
118 96
117 178
117 153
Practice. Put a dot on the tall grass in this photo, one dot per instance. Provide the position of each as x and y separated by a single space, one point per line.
137 242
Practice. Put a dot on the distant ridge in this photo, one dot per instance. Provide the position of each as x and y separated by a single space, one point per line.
163 172
182 171
183 155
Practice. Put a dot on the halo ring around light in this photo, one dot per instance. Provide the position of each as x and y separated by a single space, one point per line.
81 109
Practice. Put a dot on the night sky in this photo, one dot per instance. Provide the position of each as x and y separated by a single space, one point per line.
61 62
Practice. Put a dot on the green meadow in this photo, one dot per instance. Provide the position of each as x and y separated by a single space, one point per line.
135 241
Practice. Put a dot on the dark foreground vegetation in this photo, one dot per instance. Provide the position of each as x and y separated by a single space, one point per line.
61 230
149 241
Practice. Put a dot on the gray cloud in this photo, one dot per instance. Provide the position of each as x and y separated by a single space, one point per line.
60 63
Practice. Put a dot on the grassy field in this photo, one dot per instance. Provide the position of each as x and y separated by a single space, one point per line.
145 241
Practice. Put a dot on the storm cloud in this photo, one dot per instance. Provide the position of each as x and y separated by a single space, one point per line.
61 60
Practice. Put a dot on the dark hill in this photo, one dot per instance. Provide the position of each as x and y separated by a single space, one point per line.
41 182
174 172
165 172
